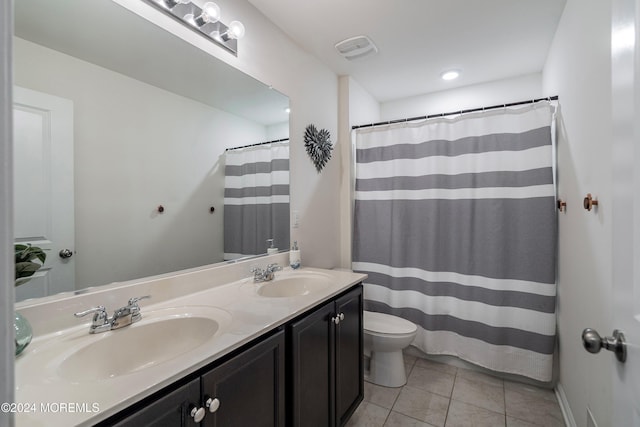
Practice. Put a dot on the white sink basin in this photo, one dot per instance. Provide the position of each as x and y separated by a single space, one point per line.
159 337
294 284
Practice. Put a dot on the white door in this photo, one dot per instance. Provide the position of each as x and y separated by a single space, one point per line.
43 187
625 54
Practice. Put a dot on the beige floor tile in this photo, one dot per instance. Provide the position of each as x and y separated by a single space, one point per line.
409 363
368 415
533 405
514 422
409 359
438 395
433 381
407 369
379 395
398 420
463 415
479 376
422 405
479 393
542 393
442 367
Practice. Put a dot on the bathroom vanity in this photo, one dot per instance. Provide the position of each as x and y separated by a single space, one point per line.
228 351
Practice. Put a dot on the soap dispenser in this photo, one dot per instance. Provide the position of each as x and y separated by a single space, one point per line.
271 249
294 256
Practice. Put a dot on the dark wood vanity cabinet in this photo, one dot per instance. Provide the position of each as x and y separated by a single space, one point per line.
325 376
246 390
249 388
319 384
170 410
349 368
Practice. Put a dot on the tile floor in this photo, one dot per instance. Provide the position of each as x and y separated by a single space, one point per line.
439 395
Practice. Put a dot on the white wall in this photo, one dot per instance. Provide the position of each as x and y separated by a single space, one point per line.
277 131
578 70
268 55
356 106
363 107
515 89
137 147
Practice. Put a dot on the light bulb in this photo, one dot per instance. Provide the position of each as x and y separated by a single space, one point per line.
236 30
450 75
189 18
210 13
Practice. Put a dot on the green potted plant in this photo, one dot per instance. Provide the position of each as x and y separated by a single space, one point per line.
25 257
25 265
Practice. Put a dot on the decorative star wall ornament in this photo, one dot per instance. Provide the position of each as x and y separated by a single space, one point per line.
318 145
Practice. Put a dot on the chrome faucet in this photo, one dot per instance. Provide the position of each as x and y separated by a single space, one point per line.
124 316
266 275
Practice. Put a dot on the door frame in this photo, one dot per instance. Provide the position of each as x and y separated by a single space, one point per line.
625 112
6 211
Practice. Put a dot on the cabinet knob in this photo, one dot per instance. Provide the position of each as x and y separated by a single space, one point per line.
197 414
212 404
336 320
341 315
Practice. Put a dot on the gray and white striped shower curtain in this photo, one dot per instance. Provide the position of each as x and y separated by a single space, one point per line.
455 224
256 199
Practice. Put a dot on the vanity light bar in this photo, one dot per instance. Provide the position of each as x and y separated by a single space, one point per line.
203 21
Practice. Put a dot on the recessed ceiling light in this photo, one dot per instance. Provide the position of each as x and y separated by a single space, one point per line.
450 75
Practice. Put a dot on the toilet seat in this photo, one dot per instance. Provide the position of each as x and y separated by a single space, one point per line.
386 324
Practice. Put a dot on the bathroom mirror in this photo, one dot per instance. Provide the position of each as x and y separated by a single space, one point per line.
149 117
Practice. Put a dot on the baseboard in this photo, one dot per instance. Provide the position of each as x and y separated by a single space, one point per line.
564 406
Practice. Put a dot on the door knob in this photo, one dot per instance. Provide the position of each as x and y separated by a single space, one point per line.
593 342
65 253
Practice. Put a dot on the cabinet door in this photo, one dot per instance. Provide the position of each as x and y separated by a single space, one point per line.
311 356
249 387
171 410
349 359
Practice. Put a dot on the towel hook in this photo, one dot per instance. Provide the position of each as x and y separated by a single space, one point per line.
562 205
589 202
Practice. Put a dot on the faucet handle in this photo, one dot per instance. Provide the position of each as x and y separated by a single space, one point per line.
98 310
134 301
100 318
273 267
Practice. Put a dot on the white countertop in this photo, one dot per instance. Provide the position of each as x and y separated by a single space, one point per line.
43 398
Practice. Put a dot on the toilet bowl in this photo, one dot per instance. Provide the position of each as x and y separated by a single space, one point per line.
385 336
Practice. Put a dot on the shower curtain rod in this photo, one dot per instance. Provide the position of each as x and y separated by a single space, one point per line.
472 110
258 143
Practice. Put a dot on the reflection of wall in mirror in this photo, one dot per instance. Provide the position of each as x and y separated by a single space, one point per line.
136 147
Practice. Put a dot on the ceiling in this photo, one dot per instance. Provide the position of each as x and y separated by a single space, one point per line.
419 39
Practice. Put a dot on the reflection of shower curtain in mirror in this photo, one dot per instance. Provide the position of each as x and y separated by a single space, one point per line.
256 199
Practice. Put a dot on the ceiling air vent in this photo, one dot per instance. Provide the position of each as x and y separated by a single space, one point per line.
356 47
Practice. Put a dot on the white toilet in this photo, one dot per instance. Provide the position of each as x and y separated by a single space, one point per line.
385 336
